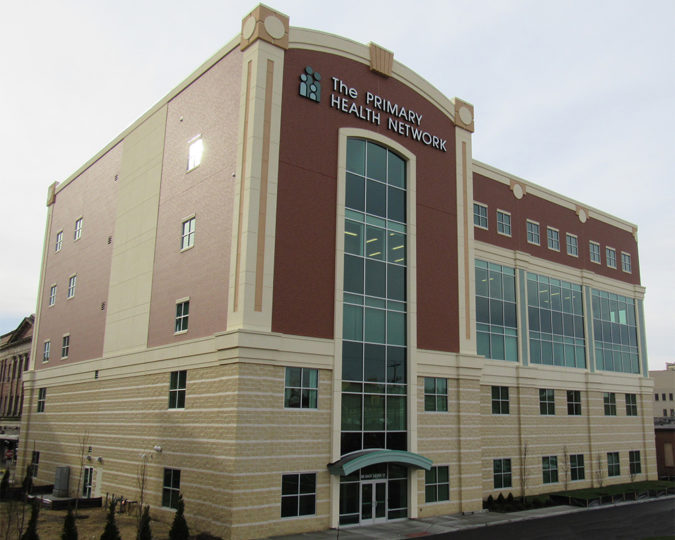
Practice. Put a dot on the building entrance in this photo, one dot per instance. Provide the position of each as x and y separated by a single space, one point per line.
373 501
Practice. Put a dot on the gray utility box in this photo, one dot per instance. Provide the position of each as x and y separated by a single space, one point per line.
61 480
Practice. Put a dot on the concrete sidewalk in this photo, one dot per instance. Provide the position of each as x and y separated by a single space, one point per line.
414 528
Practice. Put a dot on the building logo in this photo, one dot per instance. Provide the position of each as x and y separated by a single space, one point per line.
310 85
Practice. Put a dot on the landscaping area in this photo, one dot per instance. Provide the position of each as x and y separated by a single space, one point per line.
583 497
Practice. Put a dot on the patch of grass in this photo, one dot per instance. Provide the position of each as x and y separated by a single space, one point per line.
617 489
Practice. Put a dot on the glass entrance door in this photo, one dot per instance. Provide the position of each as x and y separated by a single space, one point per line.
373 502
87 482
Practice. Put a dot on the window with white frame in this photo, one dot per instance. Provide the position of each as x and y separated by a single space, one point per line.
34 463
435 394
78 229
547 401
52 295
182 315
610 255
437 484
549 467
533 234
71 286
574 403
609 402
500 400
195 152
45 350
42 398
298 495
594 251
577 471
626 265
187 239
480 215
171 488
503 222
631 405
613 464
553 236
177 386
634 462
572 243
59 241
302 388
65 346
501 473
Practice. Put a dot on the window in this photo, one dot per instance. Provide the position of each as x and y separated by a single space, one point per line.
503 223
625 262
533 236
615 332
546 401
298 494
553 236
59 241
437 484
480 215
656 397
42 398
177 384
665 412
71 286
501 473
670 396
45 350
609 399
435 394
634 462
549 467
65 346
663 396
301 388
631 405
34 463
613 465
556 322
187 239
577 471
610 255
52 295
594 250
78 229
171 488
182 314
496 321
500 400
195 151
574 403
572 245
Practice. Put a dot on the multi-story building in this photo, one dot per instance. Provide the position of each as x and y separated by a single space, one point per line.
664 419
14 360
291 290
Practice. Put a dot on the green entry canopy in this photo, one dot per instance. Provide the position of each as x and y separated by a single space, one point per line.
353 462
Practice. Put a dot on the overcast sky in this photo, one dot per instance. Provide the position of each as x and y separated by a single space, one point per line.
576 96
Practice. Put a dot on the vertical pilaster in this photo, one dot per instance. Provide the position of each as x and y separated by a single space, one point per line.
264 39
464 116
523 322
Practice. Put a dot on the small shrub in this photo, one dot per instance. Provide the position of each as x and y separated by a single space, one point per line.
179 528
69 527
144 531
500 500
490 503
509 498
111 532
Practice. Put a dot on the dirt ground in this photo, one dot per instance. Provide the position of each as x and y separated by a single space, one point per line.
90 524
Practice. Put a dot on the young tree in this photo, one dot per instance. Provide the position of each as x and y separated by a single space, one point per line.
69 527
84 450
599 472
31 531
141 480
179 528
111 532
566 466
144 532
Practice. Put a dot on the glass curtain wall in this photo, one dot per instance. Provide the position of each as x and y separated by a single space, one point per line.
374 387
615 332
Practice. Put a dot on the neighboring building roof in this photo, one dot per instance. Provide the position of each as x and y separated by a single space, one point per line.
21 334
